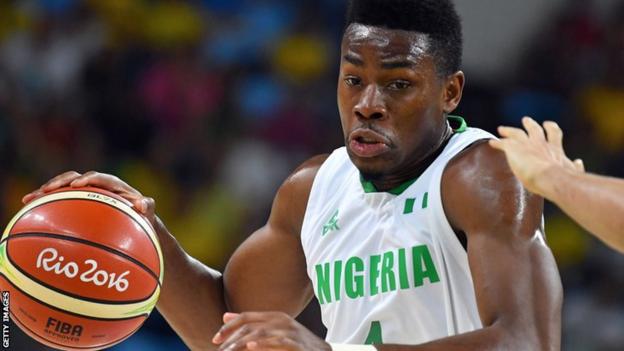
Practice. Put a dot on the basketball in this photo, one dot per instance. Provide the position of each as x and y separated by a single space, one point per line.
82 268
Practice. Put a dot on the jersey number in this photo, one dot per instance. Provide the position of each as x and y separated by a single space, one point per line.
374 334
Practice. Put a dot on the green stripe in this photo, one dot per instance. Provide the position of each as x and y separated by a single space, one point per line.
409 205
369 187
463 126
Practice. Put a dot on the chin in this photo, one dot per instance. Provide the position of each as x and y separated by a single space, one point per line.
372 176
371 168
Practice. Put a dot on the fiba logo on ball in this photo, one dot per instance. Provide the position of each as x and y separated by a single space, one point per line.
55 326
83 268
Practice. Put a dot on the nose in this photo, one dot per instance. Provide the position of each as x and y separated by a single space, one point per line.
371 104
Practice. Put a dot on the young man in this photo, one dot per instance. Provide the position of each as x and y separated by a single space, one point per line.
539 161
415 236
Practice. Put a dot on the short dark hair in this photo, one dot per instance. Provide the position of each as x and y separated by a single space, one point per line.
436 18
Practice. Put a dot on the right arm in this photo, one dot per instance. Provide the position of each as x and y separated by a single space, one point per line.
538 160
191 299
266 273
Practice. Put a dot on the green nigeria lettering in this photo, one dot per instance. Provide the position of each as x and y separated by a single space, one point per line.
357 277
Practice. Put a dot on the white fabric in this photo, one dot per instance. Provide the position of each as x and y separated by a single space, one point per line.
370 224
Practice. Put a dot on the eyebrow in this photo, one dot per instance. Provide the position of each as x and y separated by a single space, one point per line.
392 64
388 64
353 60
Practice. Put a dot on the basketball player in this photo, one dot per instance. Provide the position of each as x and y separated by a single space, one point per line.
539 161
414 236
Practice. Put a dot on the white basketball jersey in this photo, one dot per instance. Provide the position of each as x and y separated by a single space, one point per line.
386 266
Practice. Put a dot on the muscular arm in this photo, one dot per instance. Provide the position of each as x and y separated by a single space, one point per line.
517 285
267 272
191 299
595 202
539 161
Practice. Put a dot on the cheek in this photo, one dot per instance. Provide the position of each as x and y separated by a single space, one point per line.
344 110
420 122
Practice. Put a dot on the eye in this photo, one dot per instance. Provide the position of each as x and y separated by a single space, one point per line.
352 81
399 85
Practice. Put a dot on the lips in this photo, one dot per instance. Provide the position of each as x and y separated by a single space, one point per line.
367 143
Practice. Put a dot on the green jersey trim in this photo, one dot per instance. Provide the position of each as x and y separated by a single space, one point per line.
369 187
463 126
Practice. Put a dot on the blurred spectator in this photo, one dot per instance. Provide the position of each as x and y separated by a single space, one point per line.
603 102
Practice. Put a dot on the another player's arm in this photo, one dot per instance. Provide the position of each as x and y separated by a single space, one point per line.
516 281
595 202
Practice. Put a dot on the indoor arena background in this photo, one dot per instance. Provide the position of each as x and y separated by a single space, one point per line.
207 105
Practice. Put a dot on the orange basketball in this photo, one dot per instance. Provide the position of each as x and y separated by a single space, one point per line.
82 267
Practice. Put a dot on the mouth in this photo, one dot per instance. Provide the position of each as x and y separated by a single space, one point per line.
367 143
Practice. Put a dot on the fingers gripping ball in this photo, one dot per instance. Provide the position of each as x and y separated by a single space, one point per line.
83 269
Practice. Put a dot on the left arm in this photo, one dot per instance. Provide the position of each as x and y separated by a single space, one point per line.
516 281
517 285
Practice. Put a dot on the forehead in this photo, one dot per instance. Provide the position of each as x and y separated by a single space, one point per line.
385 42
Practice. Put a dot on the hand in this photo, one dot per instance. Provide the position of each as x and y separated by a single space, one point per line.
260 331
531 154
144 205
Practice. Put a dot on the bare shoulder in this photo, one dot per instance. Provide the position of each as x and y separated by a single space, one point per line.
477 163
292 197
479 190
303 176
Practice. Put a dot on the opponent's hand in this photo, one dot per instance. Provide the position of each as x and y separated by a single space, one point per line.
532 154
259 331
145 205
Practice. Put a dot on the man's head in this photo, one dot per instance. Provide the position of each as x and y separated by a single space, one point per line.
435 18
399 77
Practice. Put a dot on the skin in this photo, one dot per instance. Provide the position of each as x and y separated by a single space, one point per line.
389 89
406 104
537 158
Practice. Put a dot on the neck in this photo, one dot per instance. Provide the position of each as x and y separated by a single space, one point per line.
415 168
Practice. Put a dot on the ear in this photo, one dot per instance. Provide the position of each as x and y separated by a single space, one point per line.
453 88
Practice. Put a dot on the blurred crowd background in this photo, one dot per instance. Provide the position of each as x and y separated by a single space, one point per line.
207 105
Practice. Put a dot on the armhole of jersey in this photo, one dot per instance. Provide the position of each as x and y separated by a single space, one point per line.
316 192
436 186
464 243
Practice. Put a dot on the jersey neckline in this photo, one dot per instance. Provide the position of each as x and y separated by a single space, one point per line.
458 124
